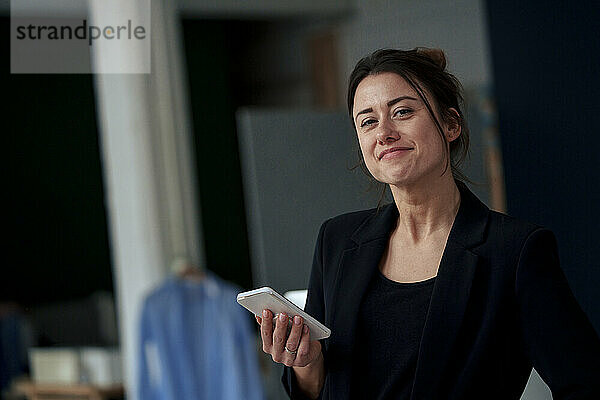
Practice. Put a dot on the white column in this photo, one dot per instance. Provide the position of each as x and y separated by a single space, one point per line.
148 165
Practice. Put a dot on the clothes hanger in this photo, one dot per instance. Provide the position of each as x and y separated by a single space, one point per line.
183 268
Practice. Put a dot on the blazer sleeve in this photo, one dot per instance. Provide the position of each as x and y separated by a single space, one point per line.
315 306
559 339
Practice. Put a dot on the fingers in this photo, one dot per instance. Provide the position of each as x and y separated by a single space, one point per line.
276 336
293 341
279 338
266 331
303 352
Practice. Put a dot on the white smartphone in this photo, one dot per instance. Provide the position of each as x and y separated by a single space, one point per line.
258 300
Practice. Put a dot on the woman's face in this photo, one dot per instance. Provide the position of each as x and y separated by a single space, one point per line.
398 138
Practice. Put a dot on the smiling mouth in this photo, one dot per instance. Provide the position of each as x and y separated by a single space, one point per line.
393 150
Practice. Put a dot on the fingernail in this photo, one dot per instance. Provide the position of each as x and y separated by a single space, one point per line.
297 320
265 313
305 329
282 317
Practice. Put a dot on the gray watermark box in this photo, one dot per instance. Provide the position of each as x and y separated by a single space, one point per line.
91 36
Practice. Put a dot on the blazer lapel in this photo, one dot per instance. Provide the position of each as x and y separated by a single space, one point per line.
446 310
355 272
450 294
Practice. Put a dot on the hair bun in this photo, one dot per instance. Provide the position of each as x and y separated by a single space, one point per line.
436 55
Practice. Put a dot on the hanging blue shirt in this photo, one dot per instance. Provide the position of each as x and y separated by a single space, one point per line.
197 343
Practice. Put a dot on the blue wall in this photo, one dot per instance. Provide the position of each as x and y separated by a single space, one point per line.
546 61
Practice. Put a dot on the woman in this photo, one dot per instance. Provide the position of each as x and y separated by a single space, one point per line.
433 296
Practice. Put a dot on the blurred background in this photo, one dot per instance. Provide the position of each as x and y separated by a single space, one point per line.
137 205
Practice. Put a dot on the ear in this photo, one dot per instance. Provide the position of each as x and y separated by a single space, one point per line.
453 127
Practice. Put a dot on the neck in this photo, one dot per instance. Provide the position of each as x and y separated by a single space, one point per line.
426 208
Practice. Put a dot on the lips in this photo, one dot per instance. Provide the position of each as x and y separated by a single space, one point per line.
392 150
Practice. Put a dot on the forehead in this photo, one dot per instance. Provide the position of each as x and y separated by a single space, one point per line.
381 88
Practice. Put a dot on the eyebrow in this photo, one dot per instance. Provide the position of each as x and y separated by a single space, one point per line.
389 104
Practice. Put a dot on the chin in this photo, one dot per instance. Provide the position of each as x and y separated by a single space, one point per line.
396 180
398 177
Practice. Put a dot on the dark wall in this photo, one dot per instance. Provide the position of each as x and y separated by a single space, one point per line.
546 61
210 51
55 244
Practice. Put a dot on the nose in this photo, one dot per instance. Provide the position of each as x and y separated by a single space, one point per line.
387 132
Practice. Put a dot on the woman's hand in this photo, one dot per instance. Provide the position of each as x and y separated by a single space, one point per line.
293 350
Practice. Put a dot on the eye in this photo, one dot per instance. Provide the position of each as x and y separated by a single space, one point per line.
402 112
367 122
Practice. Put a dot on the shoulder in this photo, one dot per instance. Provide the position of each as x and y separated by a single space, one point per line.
337 233
510 225
356 228
344 225
508 238
506 227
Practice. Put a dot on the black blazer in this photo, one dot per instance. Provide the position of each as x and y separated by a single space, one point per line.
500 305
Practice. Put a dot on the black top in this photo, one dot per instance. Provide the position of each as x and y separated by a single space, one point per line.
390 325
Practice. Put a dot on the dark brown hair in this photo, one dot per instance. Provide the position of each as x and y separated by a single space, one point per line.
424 70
